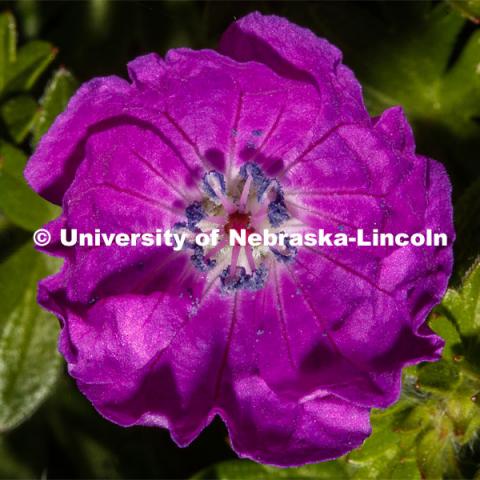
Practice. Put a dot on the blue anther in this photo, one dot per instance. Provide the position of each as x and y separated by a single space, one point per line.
242 281
287 255
232 283
210 178
194 214
258 278
260 181
200 262
183 228
277 211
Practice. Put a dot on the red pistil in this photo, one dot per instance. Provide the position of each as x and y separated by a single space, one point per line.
238 221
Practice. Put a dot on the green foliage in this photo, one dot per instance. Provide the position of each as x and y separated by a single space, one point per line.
59 90
8 39
28 336
19 71
462 309
18 202
18 114
21 116
29 361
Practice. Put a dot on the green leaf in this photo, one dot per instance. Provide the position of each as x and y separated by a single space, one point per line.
436 452
464 305
389 450
29 361
59 90
32 60
19 203
441 375
18 116
444 327
463 310
12 160
8 39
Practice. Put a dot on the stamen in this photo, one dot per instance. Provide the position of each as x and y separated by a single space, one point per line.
201 262
231 283
259 179
260 201
214 186
259 214
257 280
277 211
250 259
194 214
233 264
217 248
246 190
264 193
228 205
182 228
285 254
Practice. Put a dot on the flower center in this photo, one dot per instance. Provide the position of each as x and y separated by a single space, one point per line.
251 203
238 222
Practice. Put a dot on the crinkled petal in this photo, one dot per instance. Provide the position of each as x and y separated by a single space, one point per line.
52 167
296 53
174 384
268 429
155 360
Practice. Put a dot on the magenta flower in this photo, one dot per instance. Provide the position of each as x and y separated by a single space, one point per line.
293 347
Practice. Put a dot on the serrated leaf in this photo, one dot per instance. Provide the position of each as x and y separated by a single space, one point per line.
382 443
32 60
18 115
436 455
465 304
441 375
8 39
386 451
18 202
463 412
59 90
444 327
29 361
406 468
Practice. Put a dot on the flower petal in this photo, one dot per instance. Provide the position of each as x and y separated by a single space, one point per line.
296 53
267 429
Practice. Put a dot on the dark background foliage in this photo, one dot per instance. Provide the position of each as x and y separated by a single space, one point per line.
423 55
